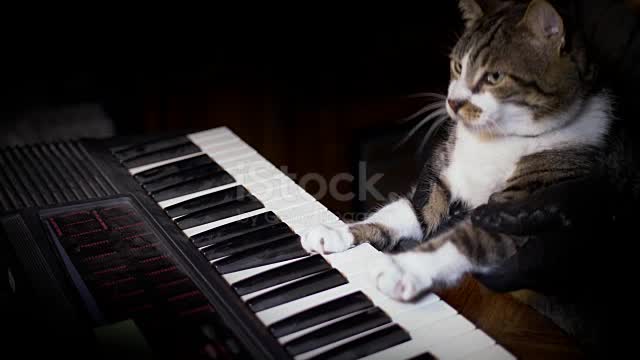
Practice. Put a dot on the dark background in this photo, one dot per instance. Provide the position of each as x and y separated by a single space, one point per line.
310 91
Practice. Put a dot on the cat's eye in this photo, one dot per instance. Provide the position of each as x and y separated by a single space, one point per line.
456 66
494 78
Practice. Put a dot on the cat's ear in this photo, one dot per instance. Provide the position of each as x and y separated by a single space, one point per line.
472 10
544 22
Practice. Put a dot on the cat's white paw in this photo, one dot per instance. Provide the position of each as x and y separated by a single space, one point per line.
325 240
396 282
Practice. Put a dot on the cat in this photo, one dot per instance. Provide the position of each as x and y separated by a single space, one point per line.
524 115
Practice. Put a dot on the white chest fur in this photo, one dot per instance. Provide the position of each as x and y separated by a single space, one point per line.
479 168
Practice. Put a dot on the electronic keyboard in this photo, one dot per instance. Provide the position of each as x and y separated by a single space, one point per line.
192 242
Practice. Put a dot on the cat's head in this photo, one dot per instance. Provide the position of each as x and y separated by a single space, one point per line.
510 71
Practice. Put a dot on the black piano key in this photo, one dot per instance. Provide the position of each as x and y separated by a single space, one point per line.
150 146
182 177
207 201
345 328
285 249
236 228
247 241
174 168
297 290
425 356
367 345
207 182
328 311
280 275
161 155
233 208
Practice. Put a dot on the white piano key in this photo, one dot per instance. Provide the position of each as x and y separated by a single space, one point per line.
218 144
202 228
283 311
425 316
225 151
209 133
425 338
342 260
179 199
303 224
247 163
231 156
139 169
243 274
494 352
463 345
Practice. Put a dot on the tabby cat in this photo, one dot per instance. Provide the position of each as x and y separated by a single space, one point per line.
524 116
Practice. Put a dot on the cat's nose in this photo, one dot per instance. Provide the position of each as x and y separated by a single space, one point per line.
455 105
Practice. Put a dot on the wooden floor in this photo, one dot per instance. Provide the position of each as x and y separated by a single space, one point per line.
516 326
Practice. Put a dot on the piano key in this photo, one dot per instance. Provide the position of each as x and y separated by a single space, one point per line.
221 131
206 182
172 152
139 169
494 352
463 345
182 177
389 305
378 340
239 180
236 276
167 203
207 201
426 337
237 228
140 149
280 275
231 156
229 209
290 211
429 314
174 168
273 315
350 326
284 249
244 242
296 290
320 314
191 233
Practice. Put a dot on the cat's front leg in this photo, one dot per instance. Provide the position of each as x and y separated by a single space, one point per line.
406 275
383 230
444 259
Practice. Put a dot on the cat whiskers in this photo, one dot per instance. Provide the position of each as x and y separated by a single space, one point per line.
438 112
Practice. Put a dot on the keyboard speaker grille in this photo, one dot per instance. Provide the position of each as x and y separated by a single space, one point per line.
49 174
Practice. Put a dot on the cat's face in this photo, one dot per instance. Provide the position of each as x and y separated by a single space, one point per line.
509 73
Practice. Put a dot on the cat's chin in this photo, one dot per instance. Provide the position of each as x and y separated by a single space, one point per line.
483 131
